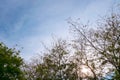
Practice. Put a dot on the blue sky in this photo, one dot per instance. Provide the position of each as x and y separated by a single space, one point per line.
30 22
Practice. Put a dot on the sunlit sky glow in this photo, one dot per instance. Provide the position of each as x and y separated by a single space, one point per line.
28 22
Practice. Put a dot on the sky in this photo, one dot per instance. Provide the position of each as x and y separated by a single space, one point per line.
28 23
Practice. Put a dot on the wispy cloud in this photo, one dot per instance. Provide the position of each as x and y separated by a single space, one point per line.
28 22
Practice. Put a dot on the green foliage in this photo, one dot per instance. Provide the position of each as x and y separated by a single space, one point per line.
116 75
10 64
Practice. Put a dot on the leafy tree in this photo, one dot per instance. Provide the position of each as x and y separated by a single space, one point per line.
104 41
84 55
10 64
109 37
54 65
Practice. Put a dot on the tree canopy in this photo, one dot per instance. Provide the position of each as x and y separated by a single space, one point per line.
10 64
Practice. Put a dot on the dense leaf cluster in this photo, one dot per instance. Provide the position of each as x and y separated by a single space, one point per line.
10 64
